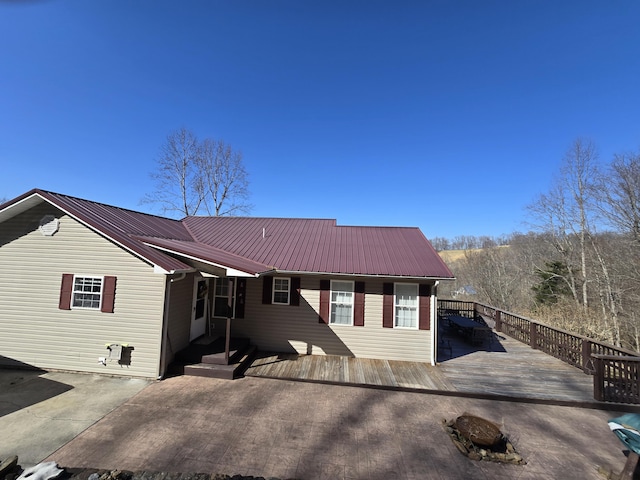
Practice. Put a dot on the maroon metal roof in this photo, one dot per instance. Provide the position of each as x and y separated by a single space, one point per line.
254 245
320 245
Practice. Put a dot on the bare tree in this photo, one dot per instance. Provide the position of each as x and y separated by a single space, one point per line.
566 215
578 175
620 189
193 175
225 180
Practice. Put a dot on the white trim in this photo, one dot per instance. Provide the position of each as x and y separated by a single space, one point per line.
22 206
434 323
234 285
417 307
273 291
198 325
231 272
331 302
100 294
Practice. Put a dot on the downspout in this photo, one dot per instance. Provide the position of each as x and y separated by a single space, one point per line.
165 323
434 323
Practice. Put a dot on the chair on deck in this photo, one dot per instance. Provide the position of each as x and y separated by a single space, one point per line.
479 335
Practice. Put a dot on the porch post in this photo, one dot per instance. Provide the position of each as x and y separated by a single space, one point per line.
227 340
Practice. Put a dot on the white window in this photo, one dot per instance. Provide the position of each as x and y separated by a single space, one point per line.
341 302
281 290
87 292
406 305
221 298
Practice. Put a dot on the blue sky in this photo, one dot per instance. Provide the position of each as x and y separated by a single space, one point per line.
446 115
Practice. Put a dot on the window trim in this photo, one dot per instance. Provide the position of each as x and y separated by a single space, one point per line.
416 307
331 302
274 291
100 293
215 296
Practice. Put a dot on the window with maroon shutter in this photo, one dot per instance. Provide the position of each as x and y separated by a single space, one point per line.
358 305
281 291
87 292
424 315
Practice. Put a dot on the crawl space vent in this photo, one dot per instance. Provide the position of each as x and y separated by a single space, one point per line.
49 225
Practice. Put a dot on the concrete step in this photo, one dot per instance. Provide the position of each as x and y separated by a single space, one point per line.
228 372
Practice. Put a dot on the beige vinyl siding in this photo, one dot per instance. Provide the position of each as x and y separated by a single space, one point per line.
34 332
296 329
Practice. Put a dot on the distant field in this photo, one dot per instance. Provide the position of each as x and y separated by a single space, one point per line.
451 255
454 255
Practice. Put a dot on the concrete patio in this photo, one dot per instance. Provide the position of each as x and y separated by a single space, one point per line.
288 429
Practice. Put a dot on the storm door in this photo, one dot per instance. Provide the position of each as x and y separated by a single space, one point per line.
200 308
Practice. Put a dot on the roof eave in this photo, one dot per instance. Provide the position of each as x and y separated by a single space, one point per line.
231 271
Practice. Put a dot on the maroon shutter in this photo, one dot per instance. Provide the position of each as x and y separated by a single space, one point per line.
325 286
387 305
294 295
267 289
424 307
66 289
241 292
108 294
358 305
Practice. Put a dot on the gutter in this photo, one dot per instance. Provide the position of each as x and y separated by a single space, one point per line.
360 275
434 324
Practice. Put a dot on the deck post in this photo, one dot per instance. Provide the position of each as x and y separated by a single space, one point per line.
533 335
587 361
630 466
498 319
598 379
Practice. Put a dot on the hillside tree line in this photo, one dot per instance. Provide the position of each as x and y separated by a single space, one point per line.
578 268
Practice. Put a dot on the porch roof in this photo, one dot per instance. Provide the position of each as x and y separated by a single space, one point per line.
199 252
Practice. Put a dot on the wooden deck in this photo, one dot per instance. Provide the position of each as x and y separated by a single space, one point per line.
502 368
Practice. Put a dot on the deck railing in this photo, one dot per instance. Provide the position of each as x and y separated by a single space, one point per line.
616 370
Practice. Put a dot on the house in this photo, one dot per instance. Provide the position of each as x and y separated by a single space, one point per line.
96 288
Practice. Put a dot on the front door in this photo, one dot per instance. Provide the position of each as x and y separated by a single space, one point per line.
200 308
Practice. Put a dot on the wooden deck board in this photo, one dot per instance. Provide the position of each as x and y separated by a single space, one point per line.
506 367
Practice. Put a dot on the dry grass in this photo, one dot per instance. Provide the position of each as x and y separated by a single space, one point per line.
452 255
455 255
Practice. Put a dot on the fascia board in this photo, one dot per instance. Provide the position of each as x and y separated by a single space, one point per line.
231 272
